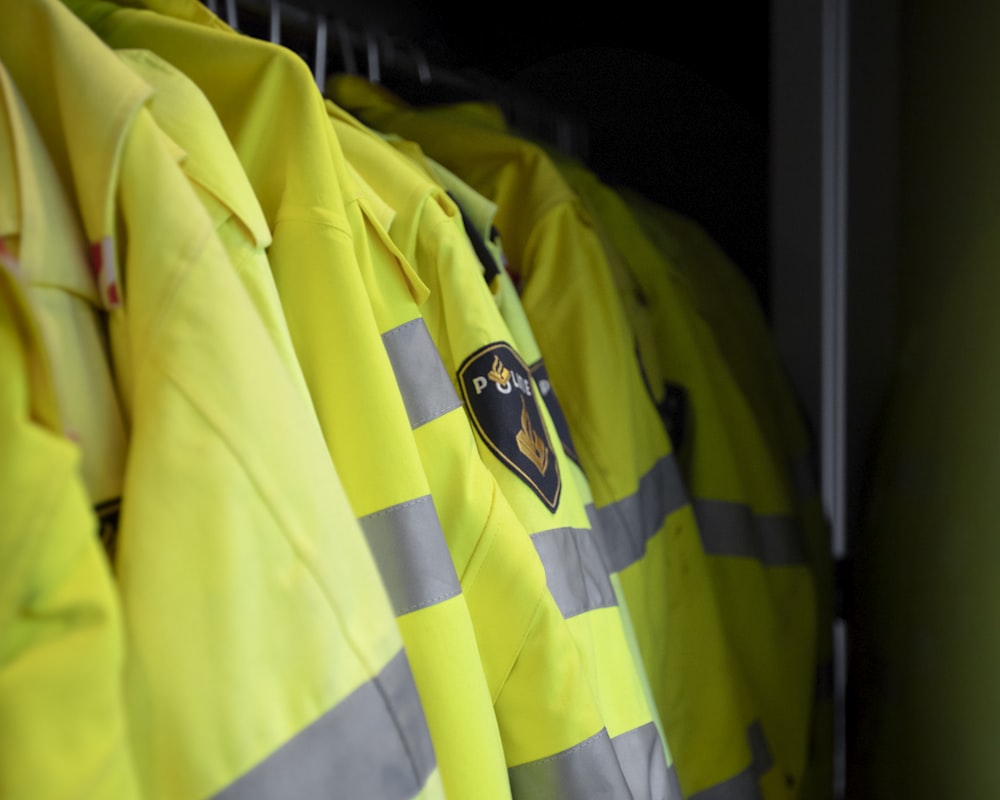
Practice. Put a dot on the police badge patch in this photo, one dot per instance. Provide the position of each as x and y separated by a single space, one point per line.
497 390
541 375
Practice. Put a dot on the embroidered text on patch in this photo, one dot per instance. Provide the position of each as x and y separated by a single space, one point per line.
498 393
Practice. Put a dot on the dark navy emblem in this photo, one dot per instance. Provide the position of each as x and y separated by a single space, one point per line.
541 376
498 393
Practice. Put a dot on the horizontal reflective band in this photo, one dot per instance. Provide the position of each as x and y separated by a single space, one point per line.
589 770
759 751
423 381
740 787
673 785
640 752
373 743
732 529
575 571
626 525
411 553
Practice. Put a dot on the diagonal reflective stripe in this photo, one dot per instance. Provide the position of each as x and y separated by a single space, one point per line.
420 374
411 553
575 572
588 771
759 751
732 529
373 743
640 752
740 787
626 525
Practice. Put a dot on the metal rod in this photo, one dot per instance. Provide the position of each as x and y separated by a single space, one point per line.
275 15
319 67
834 412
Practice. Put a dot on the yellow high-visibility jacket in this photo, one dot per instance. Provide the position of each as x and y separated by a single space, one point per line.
515 436
478 213
406 539
258 629
646 524
63 722
741 489
723 296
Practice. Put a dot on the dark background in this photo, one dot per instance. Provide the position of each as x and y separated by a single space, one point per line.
673 99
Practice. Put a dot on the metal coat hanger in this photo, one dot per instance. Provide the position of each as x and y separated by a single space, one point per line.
274 14
319 63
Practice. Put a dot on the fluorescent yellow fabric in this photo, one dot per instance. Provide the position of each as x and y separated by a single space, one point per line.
725 299
319 257
435 626
62 714
440 637
253 609
217 177
463 319
571 302
766 587
479 214
460 479
64 299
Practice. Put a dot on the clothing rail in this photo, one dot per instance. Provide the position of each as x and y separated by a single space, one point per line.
330 44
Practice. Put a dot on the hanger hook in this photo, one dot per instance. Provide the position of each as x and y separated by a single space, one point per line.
319 65
275 17
423 66
374 66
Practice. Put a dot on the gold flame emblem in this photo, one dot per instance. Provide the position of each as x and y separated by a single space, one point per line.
498 372
530 443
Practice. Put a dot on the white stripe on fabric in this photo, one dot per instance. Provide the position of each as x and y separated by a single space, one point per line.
732 529
373 743
627 525
423 381
411 554
588 771
575 571
641 754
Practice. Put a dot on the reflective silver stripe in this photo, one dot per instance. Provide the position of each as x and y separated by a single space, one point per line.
411 553
759 750
673 785
742 786
575 571
588 770
626 525
423 381
373 743
732 529
640 752
803 477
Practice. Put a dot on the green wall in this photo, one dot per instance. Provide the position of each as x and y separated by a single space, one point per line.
925 661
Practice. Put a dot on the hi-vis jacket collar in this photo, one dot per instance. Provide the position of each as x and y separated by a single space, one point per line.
23 213
187 10
357 92
217 170
95 114
380 216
